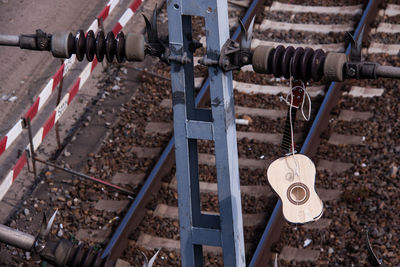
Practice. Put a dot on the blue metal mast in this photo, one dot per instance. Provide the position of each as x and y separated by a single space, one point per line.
191 124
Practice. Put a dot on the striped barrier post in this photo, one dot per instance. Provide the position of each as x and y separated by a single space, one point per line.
63 105
47 91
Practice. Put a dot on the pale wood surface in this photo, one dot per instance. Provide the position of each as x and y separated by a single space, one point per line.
286 171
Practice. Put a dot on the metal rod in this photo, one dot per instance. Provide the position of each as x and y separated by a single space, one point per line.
9 40
32 148
388 72
97 180
16 238
57 126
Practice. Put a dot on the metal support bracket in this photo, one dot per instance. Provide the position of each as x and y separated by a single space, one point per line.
233 55
217 123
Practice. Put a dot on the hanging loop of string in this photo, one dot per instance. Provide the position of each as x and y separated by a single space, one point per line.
290 103
306 98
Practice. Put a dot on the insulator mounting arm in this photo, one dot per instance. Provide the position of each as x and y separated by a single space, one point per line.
306 64
129 47
38 41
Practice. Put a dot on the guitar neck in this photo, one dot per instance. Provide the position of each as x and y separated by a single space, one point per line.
286 144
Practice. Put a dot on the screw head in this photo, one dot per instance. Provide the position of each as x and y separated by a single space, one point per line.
226 62
352 72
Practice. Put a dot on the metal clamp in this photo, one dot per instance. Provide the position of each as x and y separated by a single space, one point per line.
184 59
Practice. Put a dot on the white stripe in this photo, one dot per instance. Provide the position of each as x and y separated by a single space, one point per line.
15 131
357 91
247 68
62 107
388 28
68 63
392 10
338 47
37 139
198 82
125 17
351 10
47 90
239 3
323 28
242 121
85 74
112 4
379 48
249 88
94 26
6 184
45 94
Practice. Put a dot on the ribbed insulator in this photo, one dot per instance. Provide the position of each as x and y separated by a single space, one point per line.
83 257
301 63
129 47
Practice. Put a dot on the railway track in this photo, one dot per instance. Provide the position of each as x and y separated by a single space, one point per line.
347 160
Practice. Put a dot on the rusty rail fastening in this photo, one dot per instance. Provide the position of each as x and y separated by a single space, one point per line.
276 221
153 182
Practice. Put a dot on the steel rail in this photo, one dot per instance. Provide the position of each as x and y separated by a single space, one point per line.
152 184
271 234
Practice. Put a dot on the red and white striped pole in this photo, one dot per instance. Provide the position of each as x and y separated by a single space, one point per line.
47 91
62 106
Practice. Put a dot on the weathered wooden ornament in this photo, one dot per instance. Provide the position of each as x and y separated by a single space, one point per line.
293 178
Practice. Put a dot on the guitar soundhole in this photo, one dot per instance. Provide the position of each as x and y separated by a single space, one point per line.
298 193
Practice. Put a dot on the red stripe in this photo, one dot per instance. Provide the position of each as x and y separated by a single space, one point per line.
58 76
3 144
135 5
104 14
106 183
117 28
31 113
94 64
74 90
48 124
18 167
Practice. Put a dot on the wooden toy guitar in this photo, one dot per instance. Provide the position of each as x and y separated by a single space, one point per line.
292 177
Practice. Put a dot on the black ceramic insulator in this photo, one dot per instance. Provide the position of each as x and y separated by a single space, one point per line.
110 47
295 64
120 47
90 45
276 60
88 257
286 59
317 64
305 64
301 63
80 45
99 45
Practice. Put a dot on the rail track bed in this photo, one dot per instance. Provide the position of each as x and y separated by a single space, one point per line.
357 159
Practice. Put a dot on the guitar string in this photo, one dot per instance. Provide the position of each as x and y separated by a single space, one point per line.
307 118
291 132
296 172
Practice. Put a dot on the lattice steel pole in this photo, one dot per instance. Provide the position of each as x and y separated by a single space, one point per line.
217 124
